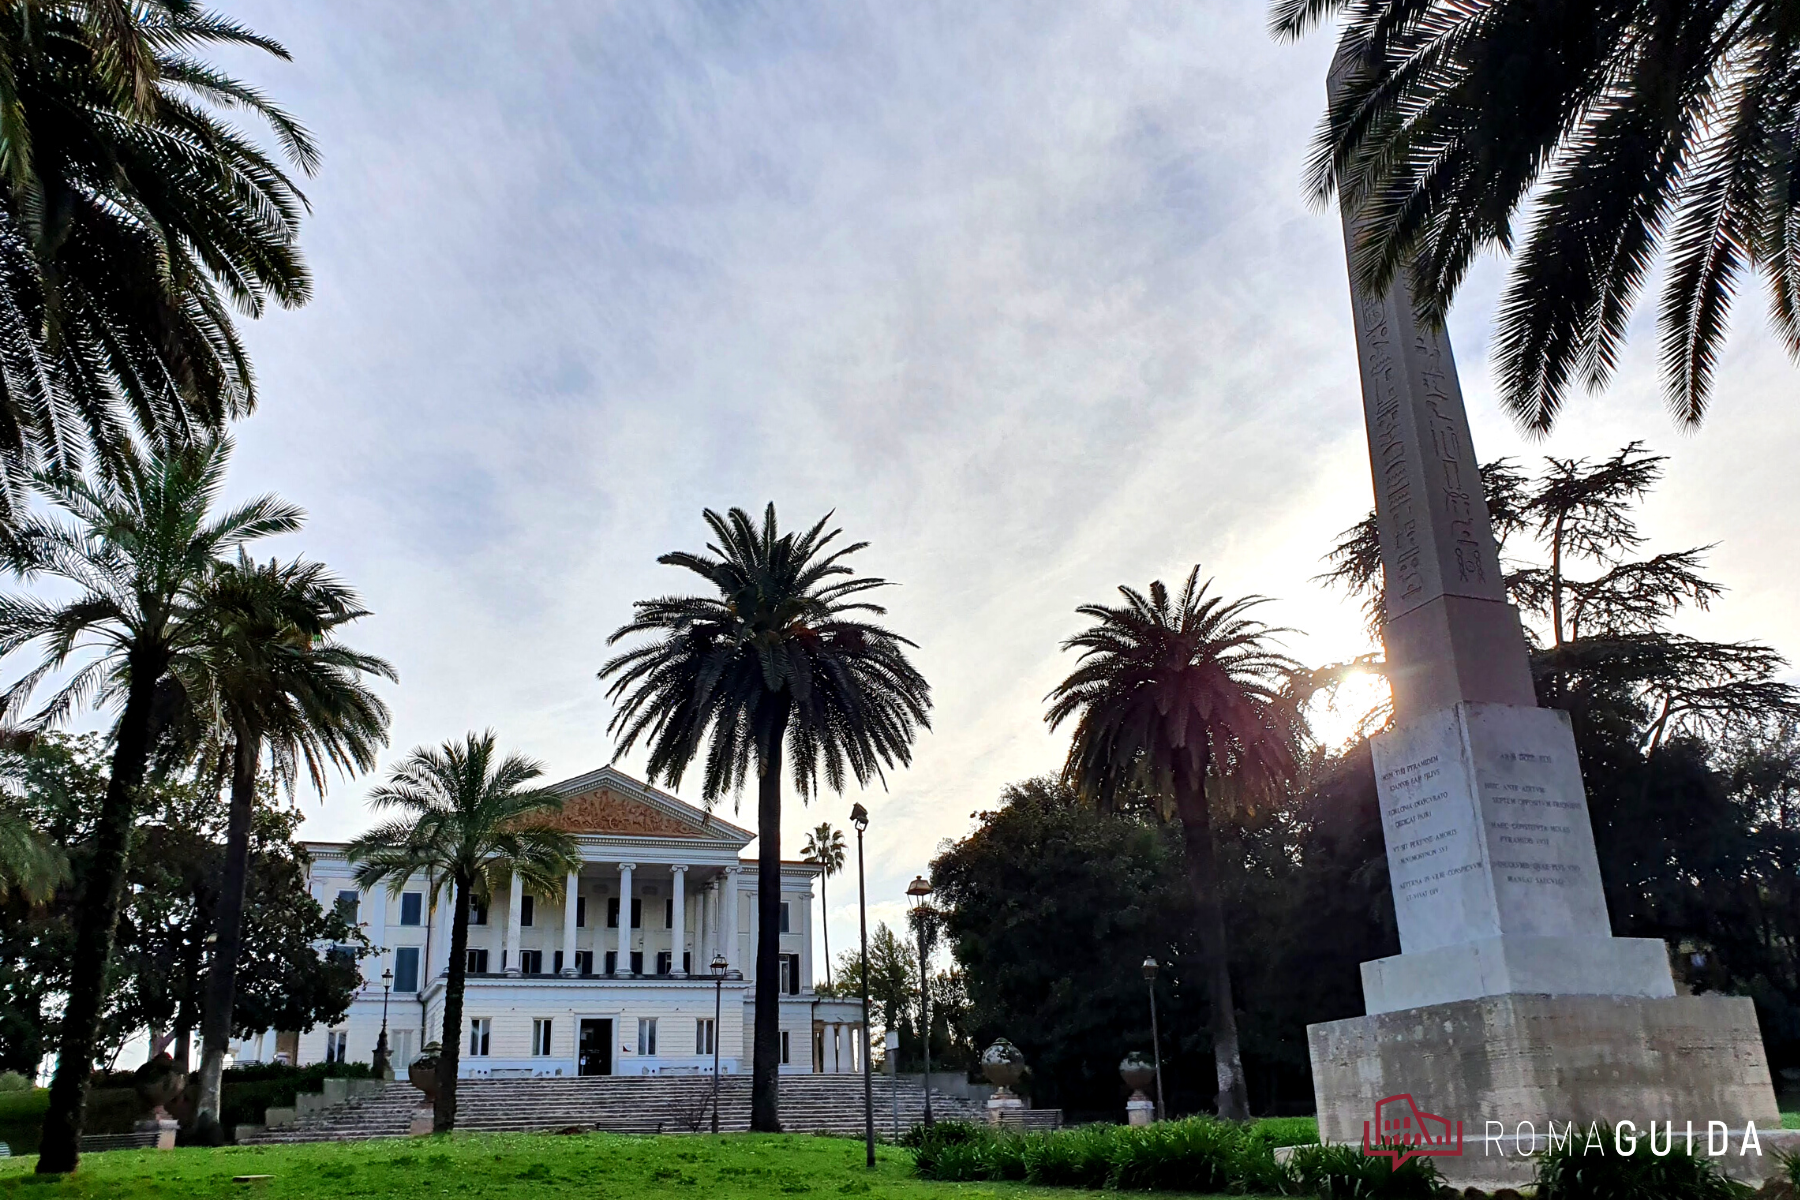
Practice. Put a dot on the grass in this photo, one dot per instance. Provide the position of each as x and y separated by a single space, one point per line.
507 1166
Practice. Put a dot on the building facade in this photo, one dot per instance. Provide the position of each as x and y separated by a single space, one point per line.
611 977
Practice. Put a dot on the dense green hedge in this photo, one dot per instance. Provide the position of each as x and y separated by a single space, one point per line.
1201 1154
249 1091
1198 1154
109 1110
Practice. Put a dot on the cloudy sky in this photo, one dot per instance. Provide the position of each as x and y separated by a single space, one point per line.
1028 294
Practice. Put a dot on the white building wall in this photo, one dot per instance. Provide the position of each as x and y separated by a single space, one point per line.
514 1004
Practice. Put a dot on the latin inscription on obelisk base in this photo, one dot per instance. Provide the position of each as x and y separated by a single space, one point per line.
1510 1000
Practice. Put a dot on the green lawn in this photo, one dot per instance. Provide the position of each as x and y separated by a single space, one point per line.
594 1166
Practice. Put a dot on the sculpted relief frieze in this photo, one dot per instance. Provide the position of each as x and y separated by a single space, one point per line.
605 811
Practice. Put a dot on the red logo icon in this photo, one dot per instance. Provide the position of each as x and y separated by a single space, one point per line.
1402 1131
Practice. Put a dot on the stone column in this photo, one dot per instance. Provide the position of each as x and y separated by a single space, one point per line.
708 931
678 927
728 922
514 911
571 896
805 965
624 952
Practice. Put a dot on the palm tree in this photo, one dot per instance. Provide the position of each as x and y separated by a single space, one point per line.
272 673
469 822
1632 130
29 864
782 661
825 846
138 556
132 220
1169 697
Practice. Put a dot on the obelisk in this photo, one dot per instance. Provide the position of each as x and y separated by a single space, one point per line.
1510 1001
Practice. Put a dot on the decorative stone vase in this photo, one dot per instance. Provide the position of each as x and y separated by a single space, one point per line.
158 1082
1138 1071
422 1074
1003 1064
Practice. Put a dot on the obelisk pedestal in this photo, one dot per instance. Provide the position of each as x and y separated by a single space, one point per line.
1511 1005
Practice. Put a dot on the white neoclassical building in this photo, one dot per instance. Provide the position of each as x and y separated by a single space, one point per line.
609 978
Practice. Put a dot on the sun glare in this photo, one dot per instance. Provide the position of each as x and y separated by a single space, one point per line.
1338 718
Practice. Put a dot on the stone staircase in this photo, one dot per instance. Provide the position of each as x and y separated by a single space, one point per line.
618 1104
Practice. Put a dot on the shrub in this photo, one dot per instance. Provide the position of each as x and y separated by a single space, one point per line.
1199 1154
948 1150
1005 1158
12 1081
1570 1174
1286 1131
958 1162
1346 1173
942 1133
1077 1158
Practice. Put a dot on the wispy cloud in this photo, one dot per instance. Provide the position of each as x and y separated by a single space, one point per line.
1027 294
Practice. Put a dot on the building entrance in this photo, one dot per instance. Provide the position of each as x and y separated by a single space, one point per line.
596 1047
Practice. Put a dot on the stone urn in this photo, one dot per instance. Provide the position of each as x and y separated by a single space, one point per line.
158 1082
1138 1071
422 1074
1004 1066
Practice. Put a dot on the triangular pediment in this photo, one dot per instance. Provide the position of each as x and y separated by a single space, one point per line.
610 802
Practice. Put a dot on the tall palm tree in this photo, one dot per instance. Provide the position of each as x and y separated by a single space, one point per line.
272 673
468 823
780 662
1169 697
825 846
133 219
1632 130
138 555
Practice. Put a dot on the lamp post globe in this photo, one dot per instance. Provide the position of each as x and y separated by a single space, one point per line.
919 889
1149 968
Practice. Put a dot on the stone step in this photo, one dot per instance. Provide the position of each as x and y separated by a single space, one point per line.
629 1104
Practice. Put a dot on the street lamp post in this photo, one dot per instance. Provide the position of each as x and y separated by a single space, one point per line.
1155 1039
859 817
918 889
892 1045
718 967
382 1069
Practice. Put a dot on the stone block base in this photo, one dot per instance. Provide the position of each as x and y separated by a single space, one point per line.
1494 1062
1563 966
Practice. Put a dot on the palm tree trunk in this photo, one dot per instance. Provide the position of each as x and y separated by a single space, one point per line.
228 927
443 1119
765 1093
96 924
1233 1102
